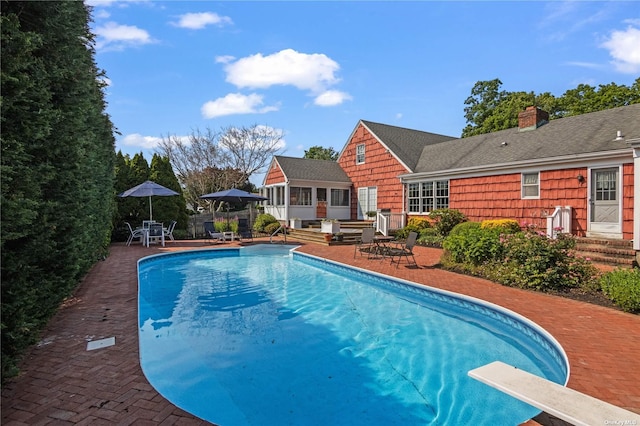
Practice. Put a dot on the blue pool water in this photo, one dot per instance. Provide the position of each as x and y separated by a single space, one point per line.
260 336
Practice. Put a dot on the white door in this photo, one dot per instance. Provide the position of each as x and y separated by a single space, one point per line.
604 203
367 201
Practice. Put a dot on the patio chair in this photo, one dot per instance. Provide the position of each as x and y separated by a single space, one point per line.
403 249
211 233
168 232
366 243
156 233
244 231
134 233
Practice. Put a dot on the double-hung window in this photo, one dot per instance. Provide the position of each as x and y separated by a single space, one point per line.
424 197
360 154
531 185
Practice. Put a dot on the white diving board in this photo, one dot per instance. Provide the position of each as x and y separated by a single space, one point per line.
564 403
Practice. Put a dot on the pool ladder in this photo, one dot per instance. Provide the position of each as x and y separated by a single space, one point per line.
281 228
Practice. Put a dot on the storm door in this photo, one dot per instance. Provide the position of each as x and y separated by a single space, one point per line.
604 202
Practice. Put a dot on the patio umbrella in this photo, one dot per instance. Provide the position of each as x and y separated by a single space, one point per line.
148 189
233 195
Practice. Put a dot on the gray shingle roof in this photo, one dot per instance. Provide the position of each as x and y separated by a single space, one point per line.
571 136
406 144
315 170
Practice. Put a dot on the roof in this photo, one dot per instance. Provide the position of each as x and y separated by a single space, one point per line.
571 136
309 169
405 144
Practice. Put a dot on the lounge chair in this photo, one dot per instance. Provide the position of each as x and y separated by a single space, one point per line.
211 233
366 243
244 231
403 249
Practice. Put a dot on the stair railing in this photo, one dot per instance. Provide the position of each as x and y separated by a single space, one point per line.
559 222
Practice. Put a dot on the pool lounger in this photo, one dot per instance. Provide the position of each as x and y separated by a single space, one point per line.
565 403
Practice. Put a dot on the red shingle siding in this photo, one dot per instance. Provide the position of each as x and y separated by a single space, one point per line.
275 175
380 170
499 197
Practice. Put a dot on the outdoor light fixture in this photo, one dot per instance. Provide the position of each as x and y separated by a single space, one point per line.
580 178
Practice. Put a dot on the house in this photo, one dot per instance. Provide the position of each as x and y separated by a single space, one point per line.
577 174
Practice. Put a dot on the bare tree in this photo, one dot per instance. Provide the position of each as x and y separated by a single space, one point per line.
212 161
250 149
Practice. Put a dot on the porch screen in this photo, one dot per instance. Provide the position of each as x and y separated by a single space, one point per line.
340 197
299 196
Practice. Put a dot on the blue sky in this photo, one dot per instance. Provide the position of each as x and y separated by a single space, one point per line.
313 69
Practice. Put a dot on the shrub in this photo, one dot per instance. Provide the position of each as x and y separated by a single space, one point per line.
415 224
443 220
541 263
622 286
429 237
506 226
263 220
272 227
221 224
473 245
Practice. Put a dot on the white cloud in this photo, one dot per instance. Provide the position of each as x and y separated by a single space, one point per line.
112 36
137 140
624 47
313 72
235 103
331 98
197 21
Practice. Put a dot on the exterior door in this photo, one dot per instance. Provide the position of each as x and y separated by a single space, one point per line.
367 201
604 202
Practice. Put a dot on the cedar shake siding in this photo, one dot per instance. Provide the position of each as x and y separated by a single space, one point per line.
275 175
380 169
628 191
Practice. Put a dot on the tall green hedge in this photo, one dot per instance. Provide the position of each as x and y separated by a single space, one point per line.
57 165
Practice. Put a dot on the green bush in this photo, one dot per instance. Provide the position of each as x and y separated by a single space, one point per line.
444 220
473 245
415 224
263 220
538 262
622 286
429 237
271 227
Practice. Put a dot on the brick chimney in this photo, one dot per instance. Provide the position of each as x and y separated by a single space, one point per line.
532 118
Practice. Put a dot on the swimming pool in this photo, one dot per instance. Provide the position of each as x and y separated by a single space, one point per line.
263 336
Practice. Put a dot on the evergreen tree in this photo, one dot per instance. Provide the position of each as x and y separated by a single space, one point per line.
57 164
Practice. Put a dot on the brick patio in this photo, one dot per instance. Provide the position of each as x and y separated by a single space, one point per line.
63 383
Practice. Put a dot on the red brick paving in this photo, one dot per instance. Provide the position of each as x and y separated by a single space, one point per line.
62 383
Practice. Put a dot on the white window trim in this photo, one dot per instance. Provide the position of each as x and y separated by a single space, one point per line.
522 186
363 154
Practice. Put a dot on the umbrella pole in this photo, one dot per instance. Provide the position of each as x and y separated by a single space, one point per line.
150 209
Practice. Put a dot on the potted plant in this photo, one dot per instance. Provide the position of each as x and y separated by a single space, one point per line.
339 236
371 214
330 225
295 223
328 237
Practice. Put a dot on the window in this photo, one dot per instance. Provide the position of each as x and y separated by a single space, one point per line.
428 196
279 195
530 185
360 154
340 197
299 196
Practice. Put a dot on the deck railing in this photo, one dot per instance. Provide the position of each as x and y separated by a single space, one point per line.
388 222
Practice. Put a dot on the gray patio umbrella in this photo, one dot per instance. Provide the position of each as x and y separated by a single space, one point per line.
148 189
233 195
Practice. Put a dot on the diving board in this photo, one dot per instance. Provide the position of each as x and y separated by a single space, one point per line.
564 403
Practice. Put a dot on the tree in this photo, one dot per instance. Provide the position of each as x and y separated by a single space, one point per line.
57 164
212 161
166 209
319 153
490 109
